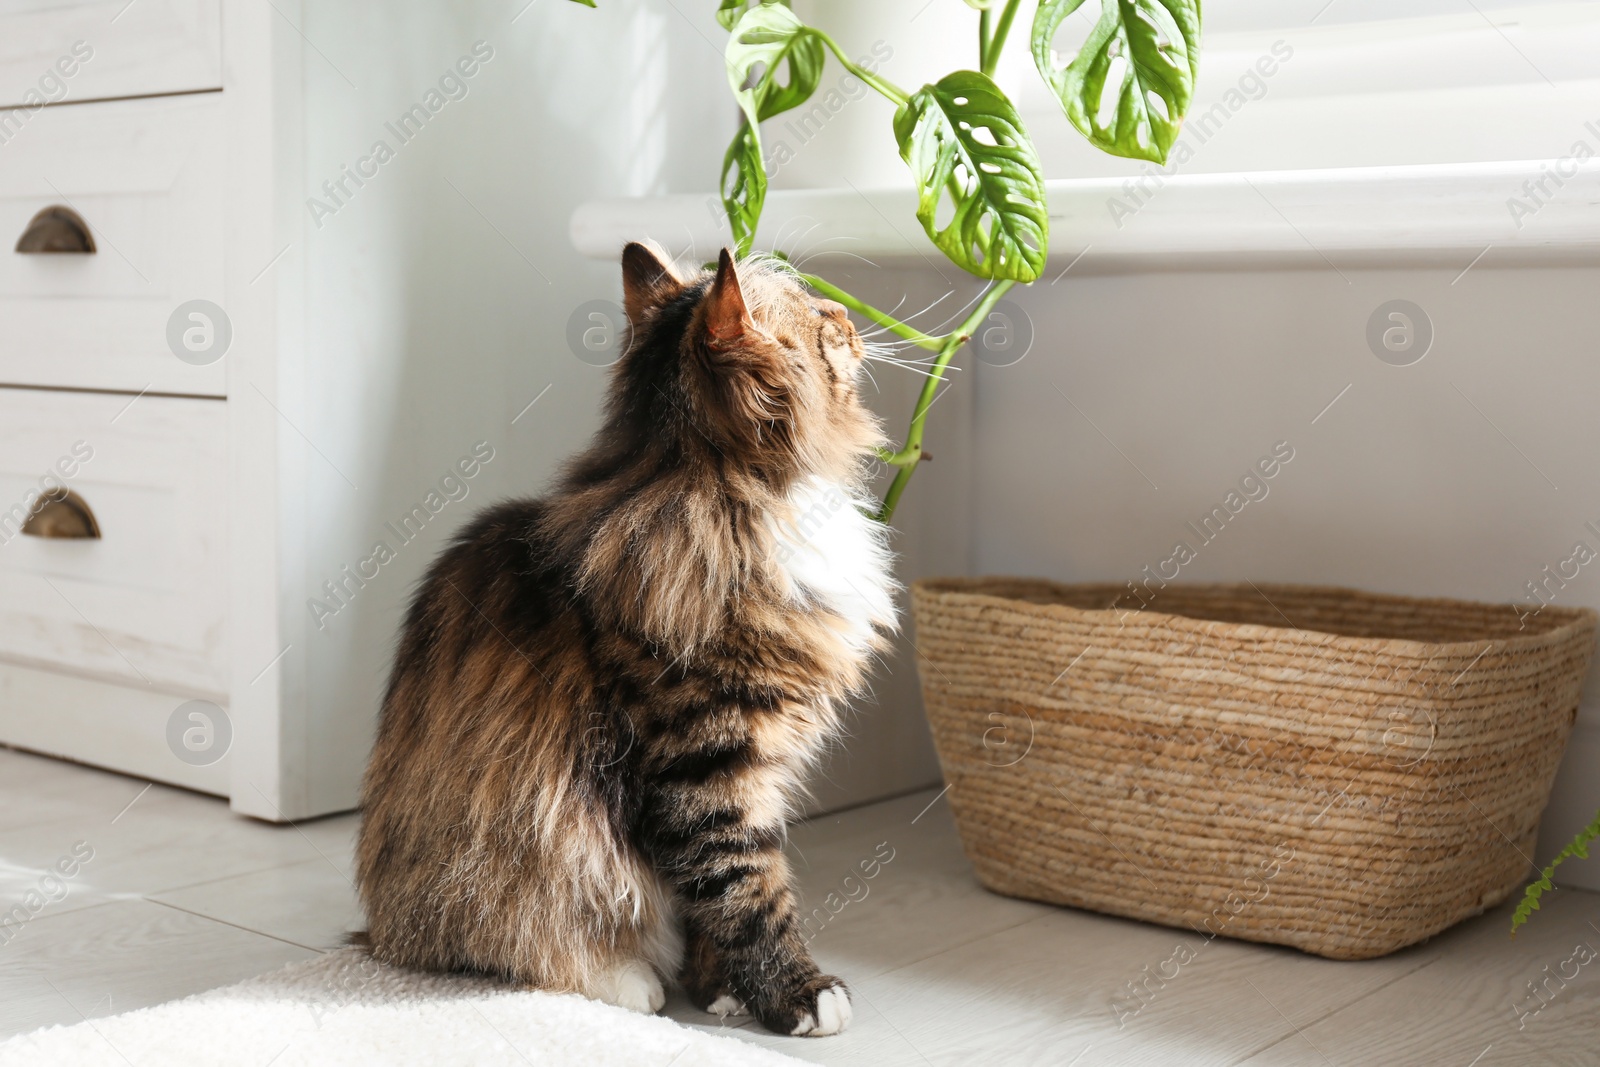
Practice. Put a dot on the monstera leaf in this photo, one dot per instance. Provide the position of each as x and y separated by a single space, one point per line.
767 41
744 185
974 163
1129 85
728 11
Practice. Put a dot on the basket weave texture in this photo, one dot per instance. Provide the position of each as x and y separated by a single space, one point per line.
1343 772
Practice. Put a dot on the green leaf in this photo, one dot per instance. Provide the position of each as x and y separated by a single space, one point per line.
744 185
1579 848
585 3
729 11
972 159
1130 84
766 40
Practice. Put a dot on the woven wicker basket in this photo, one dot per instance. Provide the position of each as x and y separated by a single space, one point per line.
1342 772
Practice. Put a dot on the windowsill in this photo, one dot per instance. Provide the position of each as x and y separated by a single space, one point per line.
1433 211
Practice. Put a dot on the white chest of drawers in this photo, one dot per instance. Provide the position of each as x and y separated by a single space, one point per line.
177 145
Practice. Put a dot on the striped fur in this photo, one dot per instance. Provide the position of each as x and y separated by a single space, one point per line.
604 701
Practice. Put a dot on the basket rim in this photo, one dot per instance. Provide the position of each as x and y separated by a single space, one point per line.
1577 618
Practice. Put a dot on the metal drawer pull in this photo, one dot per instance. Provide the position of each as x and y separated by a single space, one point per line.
56 229
62 513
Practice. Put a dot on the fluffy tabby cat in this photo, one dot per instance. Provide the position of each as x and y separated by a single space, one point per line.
604 700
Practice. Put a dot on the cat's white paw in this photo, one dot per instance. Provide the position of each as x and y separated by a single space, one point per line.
632 985
726 1005
831 1017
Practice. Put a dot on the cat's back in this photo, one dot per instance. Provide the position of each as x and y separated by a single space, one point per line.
480 611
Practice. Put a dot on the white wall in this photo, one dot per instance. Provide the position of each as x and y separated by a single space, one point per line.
438 294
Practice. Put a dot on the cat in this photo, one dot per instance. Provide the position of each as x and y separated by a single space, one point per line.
604 701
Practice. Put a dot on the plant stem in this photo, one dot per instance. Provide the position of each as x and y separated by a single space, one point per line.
883 85
984 29
909 457
882 318
989 53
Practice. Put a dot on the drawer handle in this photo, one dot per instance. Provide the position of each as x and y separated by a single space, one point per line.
56 229
62 513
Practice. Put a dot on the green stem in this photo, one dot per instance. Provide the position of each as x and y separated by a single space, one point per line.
989 57
883 85
984 29
908 458
882 318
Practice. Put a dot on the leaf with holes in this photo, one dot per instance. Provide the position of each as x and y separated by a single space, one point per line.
728 11
1129 85
744 185
973 160
766 40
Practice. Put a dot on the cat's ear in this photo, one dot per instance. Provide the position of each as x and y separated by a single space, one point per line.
746 381
727 318
648 280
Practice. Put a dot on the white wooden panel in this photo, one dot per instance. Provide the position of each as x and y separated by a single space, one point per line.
122 49
123 728
266 524
144 604
146 175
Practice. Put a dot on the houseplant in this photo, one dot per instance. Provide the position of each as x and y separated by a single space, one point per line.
981 195
1578 848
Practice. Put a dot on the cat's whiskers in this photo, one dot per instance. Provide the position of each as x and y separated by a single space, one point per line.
895 355
908 366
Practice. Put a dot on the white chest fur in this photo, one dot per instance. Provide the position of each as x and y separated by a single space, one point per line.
835 556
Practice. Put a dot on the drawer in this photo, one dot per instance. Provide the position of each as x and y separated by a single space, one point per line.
73 50
145 602
146 177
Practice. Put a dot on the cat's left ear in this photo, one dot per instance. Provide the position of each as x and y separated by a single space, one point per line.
648 280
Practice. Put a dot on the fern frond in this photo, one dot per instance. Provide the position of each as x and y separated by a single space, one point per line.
1578 847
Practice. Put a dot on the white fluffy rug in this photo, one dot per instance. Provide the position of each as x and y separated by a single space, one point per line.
345 1009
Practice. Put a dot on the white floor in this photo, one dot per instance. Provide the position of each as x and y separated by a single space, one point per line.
181 896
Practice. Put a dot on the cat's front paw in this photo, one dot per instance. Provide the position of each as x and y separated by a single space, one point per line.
632 985
816 1009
